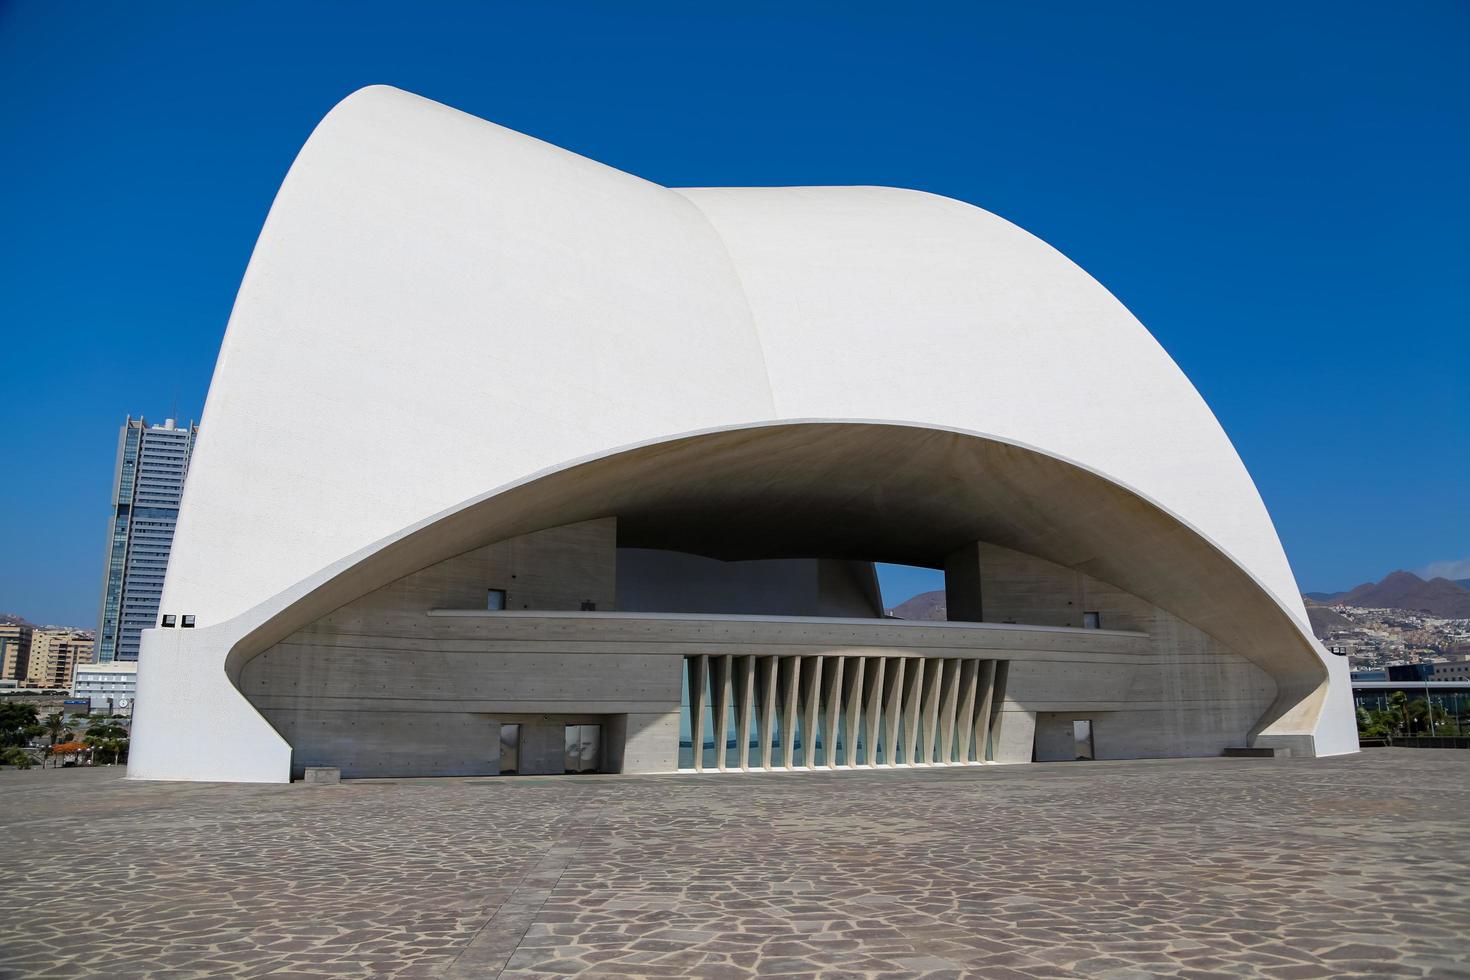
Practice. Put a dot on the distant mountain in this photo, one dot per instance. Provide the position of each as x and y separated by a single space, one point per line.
1463 583
1405 590
926 605
1324 620
11 619
1399 590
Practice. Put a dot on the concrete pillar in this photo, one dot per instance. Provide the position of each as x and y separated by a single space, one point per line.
962 584
948 708
984 707
745 705
875 707
833 701
649 743
913 693
856 666
1013 731
893 709
969 675
766 672
791 671
1015 735
811 682
698 680
720 670
928 739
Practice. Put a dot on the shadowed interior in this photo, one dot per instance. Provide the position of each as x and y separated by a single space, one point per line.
864 491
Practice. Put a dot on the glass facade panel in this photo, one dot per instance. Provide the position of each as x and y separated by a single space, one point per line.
851 716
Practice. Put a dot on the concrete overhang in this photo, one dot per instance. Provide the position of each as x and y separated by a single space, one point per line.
879 491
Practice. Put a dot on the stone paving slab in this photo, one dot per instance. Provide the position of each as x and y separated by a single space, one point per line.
1278 868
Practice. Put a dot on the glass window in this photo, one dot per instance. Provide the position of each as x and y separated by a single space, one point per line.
496 600
1092 621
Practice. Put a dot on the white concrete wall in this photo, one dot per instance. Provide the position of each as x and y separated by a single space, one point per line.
1191 696
437 306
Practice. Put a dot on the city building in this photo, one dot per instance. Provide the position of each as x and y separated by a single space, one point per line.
55 654
599 471
109 688
15 651
1452 669
152 461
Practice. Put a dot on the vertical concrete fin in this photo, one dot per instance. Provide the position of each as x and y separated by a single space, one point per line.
857 667
698 705
745 695
875 707
791 671
811 678
969 674
834 709
721 668
769 668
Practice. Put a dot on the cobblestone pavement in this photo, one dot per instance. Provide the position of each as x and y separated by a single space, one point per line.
1193 868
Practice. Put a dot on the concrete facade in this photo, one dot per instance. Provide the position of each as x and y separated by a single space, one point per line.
417 679
108 687
612 391
15 651
55 655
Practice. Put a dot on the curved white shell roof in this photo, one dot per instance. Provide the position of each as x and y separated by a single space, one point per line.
438 306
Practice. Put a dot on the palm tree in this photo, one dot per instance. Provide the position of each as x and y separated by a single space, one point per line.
1399 702
107 740
54 725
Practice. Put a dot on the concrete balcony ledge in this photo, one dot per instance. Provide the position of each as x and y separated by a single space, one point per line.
745 618
685 633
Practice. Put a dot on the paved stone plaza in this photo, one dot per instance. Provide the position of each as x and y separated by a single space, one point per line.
1193 868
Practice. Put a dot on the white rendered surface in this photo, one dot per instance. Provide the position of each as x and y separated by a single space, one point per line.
448 307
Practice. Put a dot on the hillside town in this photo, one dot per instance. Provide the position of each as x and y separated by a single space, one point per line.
1373 639
1401 620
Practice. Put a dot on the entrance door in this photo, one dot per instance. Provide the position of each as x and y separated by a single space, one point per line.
1082 737
583 748
510 749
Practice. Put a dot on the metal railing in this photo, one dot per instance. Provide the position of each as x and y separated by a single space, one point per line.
1417 742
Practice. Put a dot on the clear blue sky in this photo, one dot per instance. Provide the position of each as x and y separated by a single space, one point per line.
1278 191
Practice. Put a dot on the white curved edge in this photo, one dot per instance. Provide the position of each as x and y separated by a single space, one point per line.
191 723
1131 411
184 670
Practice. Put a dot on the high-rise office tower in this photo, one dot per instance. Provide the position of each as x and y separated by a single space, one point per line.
152 461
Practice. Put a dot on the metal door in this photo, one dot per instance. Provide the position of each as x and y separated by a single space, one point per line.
583 745
510 749
1082 737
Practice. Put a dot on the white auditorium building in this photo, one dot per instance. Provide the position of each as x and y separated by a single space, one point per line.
599 471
